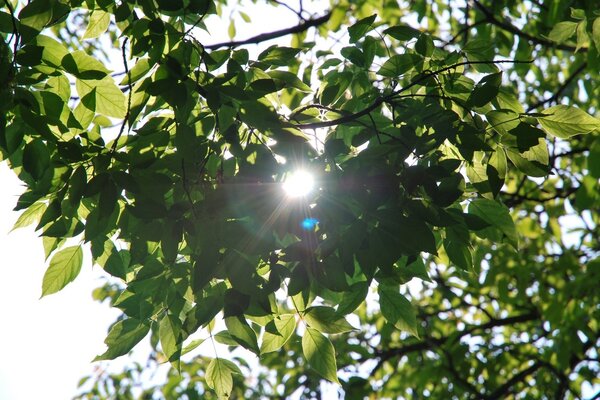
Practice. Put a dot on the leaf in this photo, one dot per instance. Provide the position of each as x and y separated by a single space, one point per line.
36 159
564 121
353 298
30 216
326 320
170 335
109 100
397 310
562 31
192 346
498 216
398 65
122 337
485 90
98 24
64 268
503 120
84 66
219 378
424 45
139 70
583 39
320 354
358 30
242 333
402 32
596 33
290 80
277 333
278 55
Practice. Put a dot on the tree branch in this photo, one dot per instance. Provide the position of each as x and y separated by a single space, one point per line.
502 391
514 30
263 37
560 90
382 99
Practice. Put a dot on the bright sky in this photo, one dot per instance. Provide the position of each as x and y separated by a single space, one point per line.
47 344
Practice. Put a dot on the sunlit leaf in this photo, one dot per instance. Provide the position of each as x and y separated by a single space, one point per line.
63 269
320 354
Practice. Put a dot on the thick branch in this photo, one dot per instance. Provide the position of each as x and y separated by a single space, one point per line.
263 37
491 18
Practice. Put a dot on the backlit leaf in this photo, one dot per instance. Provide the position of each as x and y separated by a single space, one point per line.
64 268
565 121
320 354
122 337
277 333
397 310
98 24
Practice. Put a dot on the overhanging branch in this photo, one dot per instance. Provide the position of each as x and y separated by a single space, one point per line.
491 18
263 37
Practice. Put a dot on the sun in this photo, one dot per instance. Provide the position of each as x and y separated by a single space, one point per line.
298 183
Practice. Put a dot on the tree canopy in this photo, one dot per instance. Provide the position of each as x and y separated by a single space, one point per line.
448 248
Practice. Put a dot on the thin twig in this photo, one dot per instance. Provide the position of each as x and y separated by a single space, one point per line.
560 90
513 29
383 99
127 113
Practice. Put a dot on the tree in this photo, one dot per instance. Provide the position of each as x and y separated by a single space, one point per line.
454 147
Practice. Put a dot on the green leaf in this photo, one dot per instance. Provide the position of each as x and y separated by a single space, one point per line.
170 335
84 66
564 121
398 65
122 337
583 39
320 354
36 158
596 33
53 51
30 216
98 24
278 55
397 310
192 346
562 31
34 17
64 268
424 45
503 120
242 333
402 32
498 216
277 333
109 100
219 377
326 320
353 298
485 90
290 80
139 70
358 30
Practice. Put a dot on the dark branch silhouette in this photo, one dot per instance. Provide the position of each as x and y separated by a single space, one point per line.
263 37
561 89
491 18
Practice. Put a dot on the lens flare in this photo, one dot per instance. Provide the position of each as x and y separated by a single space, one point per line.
309 224
298 184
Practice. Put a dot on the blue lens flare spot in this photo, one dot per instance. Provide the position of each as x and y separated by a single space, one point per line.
309 224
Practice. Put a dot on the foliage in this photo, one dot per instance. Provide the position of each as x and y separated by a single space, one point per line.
453 247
